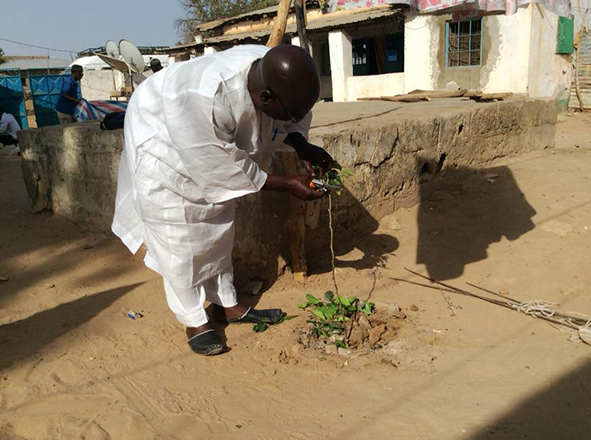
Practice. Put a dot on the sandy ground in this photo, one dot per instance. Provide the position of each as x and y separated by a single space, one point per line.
74 366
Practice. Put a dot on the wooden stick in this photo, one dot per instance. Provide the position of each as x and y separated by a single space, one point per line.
493 301
300 14
280 23
493 293
577 61
423 285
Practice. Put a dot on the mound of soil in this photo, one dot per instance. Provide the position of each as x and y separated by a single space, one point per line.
365 333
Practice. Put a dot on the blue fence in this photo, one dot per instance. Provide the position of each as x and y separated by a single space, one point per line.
45 90
11 96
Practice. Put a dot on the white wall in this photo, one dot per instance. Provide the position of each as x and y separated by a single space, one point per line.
421 41
508 62
518 55
549 73
372 86
96 85
341 63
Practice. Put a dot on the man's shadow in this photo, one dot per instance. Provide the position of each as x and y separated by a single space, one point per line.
356 243
462 211
262 254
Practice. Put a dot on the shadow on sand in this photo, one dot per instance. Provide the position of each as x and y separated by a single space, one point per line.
462 212
24 338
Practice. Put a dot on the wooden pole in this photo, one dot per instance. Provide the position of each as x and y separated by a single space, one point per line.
582 33
300 13
297 224
280 23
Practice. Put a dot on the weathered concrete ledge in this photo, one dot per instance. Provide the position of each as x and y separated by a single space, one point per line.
390 147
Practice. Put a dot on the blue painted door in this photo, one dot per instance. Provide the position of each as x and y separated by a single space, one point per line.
12 99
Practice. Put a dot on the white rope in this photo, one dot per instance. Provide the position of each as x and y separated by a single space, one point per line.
537 308
544 308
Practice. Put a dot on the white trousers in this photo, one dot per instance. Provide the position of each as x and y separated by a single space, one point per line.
188 303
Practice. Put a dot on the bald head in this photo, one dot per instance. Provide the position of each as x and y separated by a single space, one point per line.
155 65
289 82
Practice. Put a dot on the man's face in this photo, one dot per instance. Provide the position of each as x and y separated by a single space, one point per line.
77 75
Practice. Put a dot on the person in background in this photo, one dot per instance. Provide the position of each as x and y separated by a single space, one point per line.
155 65
68 99
8 128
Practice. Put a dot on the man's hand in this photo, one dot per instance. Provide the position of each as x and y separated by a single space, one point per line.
309 154
297 186
300 188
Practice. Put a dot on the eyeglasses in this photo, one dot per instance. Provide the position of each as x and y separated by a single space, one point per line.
292 118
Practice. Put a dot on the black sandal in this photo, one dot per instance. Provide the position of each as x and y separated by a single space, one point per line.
253 316
207 343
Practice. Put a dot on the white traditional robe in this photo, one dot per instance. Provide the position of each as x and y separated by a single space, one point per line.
194 142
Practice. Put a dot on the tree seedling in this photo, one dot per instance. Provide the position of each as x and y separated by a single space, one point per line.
330 317
335 177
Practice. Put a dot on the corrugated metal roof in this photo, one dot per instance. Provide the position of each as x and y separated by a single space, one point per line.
327 21
25 64
584 71
271 10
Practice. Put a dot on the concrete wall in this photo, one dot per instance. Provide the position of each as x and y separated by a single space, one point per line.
389 154
389 84
72 170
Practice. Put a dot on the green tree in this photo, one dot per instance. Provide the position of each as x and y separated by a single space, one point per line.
202 11
2 60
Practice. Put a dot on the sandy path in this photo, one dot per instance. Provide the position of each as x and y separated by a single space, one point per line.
72 365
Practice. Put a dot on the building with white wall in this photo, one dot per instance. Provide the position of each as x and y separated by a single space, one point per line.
101 82
388 50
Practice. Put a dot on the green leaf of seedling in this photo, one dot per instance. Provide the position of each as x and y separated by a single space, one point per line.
344 301
324 334
330 310
347 173
329 295
339 192
303 305
340 344
260 327
318 313
312 299
368 308
352 299
289 317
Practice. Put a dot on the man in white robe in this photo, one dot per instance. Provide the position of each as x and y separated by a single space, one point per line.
196 136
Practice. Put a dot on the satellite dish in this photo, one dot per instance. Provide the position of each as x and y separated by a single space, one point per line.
132 56
112 49
115 63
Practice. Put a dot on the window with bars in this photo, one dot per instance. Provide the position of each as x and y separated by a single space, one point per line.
464 43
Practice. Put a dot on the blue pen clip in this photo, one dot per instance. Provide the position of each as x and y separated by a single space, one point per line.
275 134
